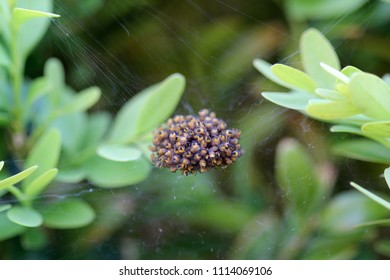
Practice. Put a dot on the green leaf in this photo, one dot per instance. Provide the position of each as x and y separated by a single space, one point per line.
55 77
322 9
377 129
17 177
82 101
72 213
372 196
297 177
25 216
350 70
98 124
330 94
71 175
4 57
112 174
45 153
5 207
383 246
315 48
335 73
37 88
265 68
330 110
1 165
149 108
37 13
387 176
371 94
296 100
40 183
294 78
347 129
348 210
8 228
363 149
118 152
34 239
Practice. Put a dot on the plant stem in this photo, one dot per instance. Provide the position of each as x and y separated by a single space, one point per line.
18 194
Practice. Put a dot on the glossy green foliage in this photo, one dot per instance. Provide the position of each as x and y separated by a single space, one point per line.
56 139
357 102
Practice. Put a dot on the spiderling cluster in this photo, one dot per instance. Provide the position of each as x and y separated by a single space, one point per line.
191 144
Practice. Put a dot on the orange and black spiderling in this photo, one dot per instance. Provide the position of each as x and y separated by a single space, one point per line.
191 144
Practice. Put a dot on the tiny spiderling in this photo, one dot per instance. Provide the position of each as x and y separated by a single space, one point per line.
195 143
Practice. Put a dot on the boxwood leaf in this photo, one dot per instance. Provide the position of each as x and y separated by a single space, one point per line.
34 239
45 153
72 213
112 174
377 129
40 183
147 109
363 149
349 209
294 78
82 101
25 216
372 196
296 100
265 68
315 48
9 229
5 207
387 176
38 14
330 110
296 176
118 152
371 94
17 177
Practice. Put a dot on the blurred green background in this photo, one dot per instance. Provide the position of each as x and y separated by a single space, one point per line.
288 197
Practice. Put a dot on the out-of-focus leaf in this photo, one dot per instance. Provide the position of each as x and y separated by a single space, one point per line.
149 108
363 149
40 183
17 177
82 101
330 248
1 165
383 247
5 207
372 196
37 88
4 57
349 209
296 100
73 131
55 77
21 16
32 32
98 124
112 174
34 239
8 228
330 110
386 78
72 213
258 239
294 78
335 73
315 48
118 152
25 216
346 128
71 175
45 153
297 177
371 94
379 129
322 9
